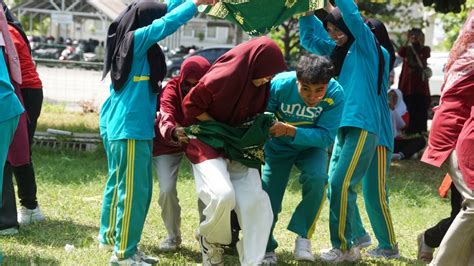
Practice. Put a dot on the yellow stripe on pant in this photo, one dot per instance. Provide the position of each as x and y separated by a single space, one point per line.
382 171
129 178
345 188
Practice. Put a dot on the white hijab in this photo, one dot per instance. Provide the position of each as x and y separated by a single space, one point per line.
400 109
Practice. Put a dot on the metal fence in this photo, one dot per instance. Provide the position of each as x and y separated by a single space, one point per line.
72 82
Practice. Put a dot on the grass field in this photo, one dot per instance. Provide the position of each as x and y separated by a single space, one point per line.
70 188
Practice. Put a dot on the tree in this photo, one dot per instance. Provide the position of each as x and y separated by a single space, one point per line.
287 37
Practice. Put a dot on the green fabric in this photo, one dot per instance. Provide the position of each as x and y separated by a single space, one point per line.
243 143
249 15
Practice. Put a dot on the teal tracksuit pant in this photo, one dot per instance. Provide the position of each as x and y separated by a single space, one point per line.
7 130
127 194
312 163
108 215
375 191
352 154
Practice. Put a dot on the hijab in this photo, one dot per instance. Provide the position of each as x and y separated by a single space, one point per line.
461 56
119 47
193 67
397 113
15 23
10 51
339 53
400 106
229 81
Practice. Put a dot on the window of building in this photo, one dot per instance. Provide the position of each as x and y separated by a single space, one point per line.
212 32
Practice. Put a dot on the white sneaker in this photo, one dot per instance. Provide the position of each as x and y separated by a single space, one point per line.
362 242
9 231
270 258
106 247
211 253
336 255
138 259
303 249
27 216
170 244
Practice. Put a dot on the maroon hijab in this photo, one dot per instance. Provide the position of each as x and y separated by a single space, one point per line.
193 67
226 91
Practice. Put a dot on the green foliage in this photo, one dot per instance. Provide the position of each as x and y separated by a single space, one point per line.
452 24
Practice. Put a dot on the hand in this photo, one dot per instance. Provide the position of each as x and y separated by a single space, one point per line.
204 117
205 2
180 136
280 129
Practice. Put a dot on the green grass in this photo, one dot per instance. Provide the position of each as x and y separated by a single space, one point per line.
70 186
55 116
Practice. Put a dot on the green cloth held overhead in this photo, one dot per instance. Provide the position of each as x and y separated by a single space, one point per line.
258 17
243 143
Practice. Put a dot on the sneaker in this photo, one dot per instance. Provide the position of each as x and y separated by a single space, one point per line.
27 216
170 244
9 231
303 249
270 258
425 252
387 253
138 259
336 255
148 259
211 253
106 247
362 242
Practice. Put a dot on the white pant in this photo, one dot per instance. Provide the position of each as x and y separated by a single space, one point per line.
225 185
457 246
167 167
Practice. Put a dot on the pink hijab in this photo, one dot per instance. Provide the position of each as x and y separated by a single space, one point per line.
10 51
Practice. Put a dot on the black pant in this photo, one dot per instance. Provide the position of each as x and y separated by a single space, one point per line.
25 174
8 213
409 146
435 234
417 106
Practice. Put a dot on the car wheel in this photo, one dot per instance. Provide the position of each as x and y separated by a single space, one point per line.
433 104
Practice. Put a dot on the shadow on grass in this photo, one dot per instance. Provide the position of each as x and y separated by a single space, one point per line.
28 260
287 258
58 233
412 179
182 254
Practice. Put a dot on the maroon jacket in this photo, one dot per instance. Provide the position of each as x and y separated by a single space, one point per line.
170 113
227 93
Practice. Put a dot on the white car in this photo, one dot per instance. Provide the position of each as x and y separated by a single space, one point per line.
436 62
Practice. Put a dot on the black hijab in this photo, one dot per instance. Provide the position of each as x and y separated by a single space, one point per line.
15 23
119 47
339 53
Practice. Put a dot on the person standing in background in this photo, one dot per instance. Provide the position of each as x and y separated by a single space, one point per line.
413 83
32 94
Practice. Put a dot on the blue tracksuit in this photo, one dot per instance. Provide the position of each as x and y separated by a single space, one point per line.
364 127
316 129
128 118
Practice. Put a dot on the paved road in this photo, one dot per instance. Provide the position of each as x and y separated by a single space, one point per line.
73 85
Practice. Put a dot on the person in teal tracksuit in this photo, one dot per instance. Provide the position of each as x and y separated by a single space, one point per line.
308 104
362 73
137 67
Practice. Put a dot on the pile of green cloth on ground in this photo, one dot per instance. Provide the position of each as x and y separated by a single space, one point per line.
243 143
258 17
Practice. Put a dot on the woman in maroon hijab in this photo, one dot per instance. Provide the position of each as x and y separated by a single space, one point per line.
168 149
234 89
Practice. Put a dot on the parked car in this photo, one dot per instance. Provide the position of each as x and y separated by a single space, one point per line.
436 62
173 64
